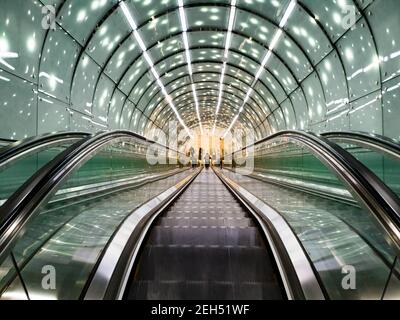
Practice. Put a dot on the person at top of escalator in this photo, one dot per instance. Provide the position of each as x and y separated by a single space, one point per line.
193 159
207 160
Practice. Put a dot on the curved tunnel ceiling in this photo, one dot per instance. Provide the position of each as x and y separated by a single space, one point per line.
138 64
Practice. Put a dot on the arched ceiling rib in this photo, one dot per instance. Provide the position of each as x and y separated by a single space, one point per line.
242 75
240 94
191 10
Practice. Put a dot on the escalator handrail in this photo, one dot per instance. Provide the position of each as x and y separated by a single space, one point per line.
371 190
19 206
17 149
376 142
5 142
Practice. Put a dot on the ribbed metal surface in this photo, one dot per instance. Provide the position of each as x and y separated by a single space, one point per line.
205 247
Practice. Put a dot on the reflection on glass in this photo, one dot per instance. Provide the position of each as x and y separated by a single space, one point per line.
337 233
72 227
15 174
386 167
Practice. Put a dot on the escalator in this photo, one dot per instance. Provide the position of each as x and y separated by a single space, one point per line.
115 227
344 234
112 178
320 209
206 246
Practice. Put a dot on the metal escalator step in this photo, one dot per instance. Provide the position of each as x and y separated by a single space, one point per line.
206 222
208 208
186 236
178 263
257 291
203 290
164 290
205 246
206 236
204 214
196 263
252 264
244 237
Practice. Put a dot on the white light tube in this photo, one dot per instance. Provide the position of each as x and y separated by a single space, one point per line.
8 55
230 127
128 15
148 59
287 14
274 42
182 17
226 53
266 58
142 45
275 39
139 40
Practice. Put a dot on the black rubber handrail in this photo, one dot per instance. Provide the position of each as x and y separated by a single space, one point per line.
372 141
18 149
20 206
363 183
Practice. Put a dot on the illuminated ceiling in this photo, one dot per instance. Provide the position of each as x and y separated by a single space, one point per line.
265 65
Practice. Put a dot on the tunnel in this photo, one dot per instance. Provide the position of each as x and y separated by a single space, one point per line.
199 149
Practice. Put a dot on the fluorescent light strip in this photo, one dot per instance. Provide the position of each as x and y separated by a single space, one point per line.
287 14
275 40
46 93
338 115
247 96
231 125
155 73
50 77
185 40
189 62
268 55
46 100
147 57
266 58
128 15
8 55
258 74
4 62
4 78
196 102
262 66
139 40
230 27
221 87
231 22
182 17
